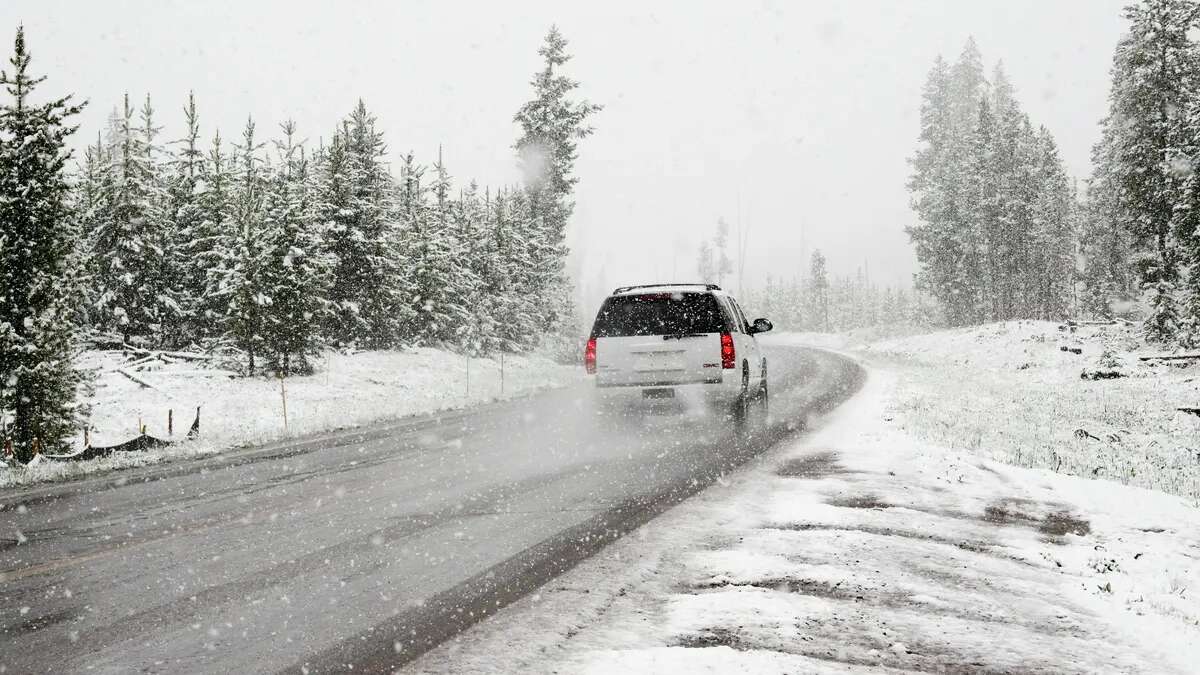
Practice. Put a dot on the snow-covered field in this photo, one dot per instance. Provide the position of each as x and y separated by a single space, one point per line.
347 390
862 548
1009 392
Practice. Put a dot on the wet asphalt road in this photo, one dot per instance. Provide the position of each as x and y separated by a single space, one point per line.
358 549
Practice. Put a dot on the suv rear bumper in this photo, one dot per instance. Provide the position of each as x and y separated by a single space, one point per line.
709 393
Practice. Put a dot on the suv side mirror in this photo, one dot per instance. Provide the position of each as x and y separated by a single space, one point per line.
761 326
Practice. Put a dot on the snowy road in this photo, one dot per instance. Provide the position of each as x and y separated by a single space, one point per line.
367 552
857 548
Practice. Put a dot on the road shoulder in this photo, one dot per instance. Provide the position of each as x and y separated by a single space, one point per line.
858 546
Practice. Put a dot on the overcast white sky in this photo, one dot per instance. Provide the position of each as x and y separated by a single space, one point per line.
804 112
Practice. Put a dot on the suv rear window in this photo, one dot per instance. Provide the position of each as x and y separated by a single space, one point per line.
659 314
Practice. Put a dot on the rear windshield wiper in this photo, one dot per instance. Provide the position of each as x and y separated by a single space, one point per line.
680 336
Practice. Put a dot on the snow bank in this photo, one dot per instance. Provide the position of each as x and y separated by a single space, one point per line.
347 390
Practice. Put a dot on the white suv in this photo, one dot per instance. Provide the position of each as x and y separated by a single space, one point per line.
688 341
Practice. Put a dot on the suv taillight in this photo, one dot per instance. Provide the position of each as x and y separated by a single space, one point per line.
589 356
728 356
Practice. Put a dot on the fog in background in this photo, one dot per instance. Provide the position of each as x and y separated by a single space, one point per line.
795 118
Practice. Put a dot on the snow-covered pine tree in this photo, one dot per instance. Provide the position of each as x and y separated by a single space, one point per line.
1186 225
476 325
493 271
1052 249
1142 157
87 203
938 193
426 256
1020 190
38 282
131 273
166 260
295 275
995 209
818 284
980 236
721 244
1106 245
706 265
210 243
242 254
442 284
192 232
356 205
343 324
552 123
373 204
513 307
1162 322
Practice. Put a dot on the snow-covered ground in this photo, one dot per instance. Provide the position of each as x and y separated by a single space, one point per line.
1010 392
862 547
347 390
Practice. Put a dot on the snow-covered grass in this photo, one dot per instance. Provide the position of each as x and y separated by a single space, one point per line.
862 548
346 391
1010 392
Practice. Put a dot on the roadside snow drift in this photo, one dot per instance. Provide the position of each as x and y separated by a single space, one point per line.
347 390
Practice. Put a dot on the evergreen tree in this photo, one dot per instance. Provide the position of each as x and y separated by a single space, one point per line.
192 235
995 237
819 292
706 265
87 203
210 244
442 281
519 323
1052 246
981 236
131 272
1107 248
295 273
243 253
935 184
426 255
721 243
1162 323
1142 159
475 322
496 271
163 259
356 205
552 123
38 379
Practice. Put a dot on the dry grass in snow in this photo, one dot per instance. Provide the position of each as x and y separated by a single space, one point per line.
1009 392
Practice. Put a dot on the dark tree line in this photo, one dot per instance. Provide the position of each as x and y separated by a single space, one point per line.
267 245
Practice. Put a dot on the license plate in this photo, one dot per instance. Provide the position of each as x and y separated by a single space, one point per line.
658 393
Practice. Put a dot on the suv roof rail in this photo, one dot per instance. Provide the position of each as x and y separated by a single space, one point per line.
622 289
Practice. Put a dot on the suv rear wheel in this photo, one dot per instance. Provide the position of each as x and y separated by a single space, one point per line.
741 406
763 392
